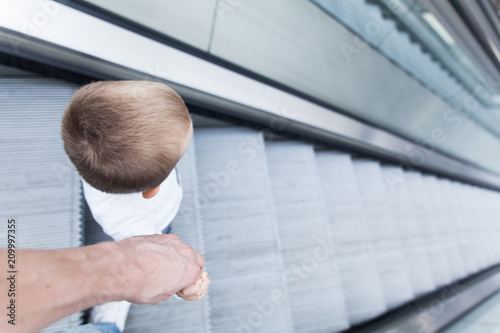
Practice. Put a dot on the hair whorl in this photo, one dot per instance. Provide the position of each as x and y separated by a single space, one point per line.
125 136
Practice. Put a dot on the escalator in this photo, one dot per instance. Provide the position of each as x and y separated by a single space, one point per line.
343 174
298 237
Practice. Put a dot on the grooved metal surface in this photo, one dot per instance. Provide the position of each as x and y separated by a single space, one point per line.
384 236
316 296
354 252
243 250
38 184
408 228
439 263
455 212
444 226
258 211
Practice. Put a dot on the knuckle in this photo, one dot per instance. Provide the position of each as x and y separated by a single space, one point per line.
187 251
193 266
173 236
187 247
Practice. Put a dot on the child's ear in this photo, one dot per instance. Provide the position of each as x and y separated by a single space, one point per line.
151 193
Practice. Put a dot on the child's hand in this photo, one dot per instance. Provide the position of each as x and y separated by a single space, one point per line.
197 291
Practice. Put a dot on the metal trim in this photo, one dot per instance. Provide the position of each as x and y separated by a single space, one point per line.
438 309
229 93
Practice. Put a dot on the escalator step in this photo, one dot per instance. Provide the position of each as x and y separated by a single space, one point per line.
38 184
355 258
458 220
243 252
444 226
438 260
315 292
384 237
409 232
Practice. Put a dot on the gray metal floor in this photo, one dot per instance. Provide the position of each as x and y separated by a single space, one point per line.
296 240
38 184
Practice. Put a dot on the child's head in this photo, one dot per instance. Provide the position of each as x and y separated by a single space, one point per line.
126 136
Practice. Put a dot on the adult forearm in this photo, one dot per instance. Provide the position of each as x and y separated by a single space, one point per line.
52 284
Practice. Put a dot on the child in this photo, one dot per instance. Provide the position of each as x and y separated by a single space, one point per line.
125 138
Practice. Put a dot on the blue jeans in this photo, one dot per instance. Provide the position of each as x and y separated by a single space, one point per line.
95 328
168 229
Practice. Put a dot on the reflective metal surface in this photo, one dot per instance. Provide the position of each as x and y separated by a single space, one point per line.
223 90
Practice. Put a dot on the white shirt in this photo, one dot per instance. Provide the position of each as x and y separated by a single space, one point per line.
127 215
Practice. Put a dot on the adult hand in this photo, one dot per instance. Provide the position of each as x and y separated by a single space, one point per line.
150 269
56 283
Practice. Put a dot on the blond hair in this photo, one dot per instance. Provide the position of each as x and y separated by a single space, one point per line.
125 136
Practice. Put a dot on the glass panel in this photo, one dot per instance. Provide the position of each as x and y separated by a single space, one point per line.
189 21
317 55
278 39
